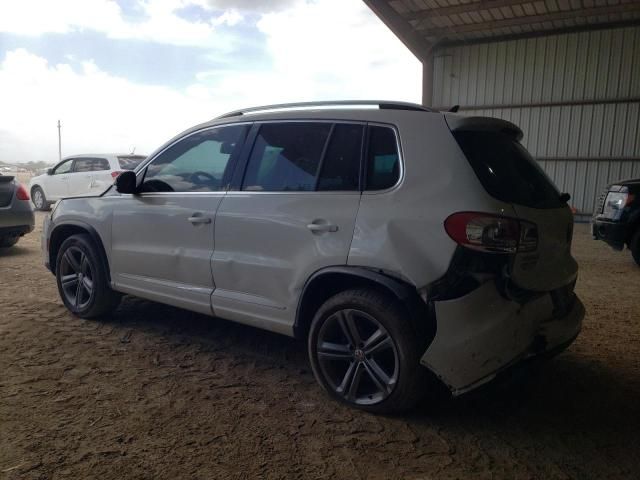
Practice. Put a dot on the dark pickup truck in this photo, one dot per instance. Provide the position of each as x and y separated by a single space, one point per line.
616 219
16 211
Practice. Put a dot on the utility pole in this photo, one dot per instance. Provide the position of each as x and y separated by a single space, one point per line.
59 142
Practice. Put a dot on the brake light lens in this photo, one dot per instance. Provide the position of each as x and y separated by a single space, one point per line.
22 193
492 233
114 175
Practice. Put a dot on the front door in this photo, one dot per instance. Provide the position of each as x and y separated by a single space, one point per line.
163 238
293 214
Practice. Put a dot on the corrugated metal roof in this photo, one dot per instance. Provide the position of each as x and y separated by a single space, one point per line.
470 21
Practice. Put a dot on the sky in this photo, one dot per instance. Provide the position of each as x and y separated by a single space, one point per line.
130 74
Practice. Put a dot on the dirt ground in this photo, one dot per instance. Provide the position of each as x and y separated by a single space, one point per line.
155 392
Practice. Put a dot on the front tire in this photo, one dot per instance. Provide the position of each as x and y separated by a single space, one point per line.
39 199
82 278
634 246
364 352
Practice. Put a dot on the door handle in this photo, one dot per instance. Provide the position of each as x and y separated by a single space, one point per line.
196 219
322 227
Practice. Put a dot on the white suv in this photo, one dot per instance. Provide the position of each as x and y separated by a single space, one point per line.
394 240
79 175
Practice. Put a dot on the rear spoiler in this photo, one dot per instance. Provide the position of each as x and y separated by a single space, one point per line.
486 124
6 178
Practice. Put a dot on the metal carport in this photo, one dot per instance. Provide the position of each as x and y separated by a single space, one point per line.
566 71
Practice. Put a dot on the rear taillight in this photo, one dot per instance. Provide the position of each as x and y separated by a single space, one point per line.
22 193
114 175
492 233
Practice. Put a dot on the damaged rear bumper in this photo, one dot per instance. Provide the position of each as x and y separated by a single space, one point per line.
482 333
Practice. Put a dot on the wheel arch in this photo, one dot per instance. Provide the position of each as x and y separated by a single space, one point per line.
63 231
329 281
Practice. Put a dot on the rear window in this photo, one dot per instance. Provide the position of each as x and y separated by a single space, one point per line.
506 170
131 162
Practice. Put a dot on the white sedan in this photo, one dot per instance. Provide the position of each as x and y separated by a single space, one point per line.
79 175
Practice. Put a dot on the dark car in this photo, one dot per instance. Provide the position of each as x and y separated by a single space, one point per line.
16 211
616 219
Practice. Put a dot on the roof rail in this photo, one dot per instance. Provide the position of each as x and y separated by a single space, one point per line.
382 105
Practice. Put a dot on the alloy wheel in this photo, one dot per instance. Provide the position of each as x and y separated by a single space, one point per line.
357 357
38 199
76 277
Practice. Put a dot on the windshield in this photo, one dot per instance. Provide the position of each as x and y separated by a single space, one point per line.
506 170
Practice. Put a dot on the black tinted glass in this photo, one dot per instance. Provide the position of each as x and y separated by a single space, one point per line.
90 164
286 157
506 170
383 160
341 164
130 162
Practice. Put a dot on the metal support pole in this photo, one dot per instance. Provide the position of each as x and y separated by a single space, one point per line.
59 142
427 79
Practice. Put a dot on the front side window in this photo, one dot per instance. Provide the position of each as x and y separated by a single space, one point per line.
201 162
90 164
63 168
383 159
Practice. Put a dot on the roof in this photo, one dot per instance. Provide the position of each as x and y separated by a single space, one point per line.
423 24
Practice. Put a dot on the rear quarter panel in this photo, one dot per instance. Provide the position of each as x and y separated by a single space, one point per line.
401 231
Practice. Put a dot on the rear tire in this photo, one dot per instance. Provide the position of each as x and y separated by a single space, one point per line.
364 352
39 199
82 278
634 246
6 242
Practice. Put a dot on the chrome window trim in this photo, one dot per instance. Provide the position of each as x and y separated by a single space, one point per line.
393 127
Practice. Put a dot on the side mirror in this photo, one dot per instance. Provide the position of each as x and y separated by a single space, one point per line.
49 171
126 182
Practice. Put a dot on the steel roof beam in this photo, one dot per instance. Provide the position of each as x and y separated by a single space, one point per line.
463 8
439 32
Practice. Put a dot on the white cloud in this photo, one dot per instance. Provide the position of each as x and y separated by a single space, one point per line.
312 53
160 20
319 54
99 112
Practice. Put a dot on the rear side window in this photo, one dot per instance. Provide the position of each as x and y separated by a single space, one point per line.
506 170
90 164
130 162
383 159
341 163
304 156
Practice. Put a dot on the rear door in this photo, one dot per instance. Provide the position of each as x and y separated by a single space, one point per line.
293 214
89 176
508 173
